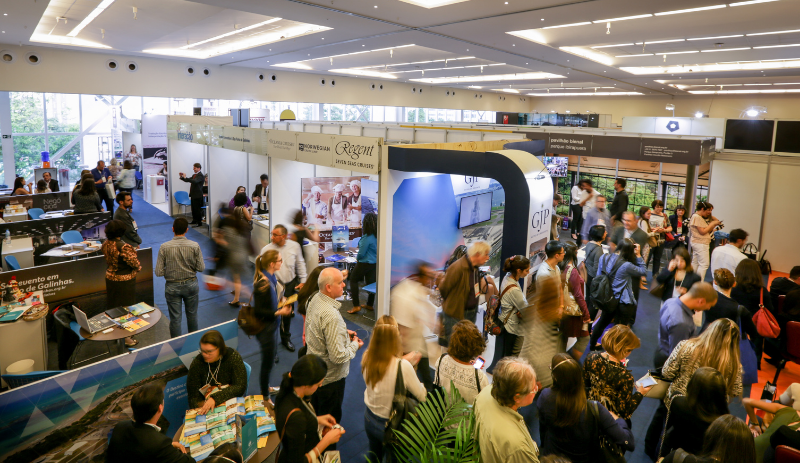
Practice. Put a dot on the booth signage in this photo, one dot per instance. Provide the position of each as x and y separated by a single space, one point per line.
282 144
200 133
172 130
252 141
214 135
568 143
357 153
671 150
627 148
315 148
232 138
463 184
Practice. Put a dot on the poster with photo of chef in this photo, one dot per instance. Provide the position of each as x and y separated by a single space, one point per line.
329 201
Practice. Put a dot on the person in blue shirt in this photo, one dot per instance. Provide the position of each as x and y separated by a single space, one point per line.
676 323
101 174
622 281
366 261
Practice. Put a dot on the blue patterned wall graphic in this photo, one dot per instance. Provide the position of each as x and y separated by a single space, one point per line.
72 414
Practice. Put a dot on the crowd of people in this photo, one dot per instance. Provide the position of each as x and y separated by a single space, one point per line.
563 346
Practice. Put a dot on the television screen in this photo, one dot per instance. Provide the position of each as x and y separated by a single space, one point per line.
748 135
787 137
475 209
556 165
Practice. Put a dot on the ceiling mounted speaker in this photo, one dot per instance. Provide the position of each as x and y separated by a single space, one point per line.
453 93
260 77
413 89
322 82
190 71
476 95
420 90
112 65
131 66
480 96
380 87
372 86
273 78
7 56
447 93
206 72
333 83
33 58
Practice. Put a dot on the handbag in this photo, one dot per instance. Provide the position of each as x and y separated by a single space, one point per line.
247 320
658 290
751 251
659 391
403 406
110 191
765 322
609 451
491 319
283 431
747 355
571 307
670 237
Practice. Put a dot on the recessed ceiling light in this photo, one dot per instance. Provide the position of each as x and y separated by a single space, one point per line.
615 45
376 6
717 37
568 25
364 73
734 92
483 78
692 10
584 94
594 56
750 2
624 18
542 19
724 49
715 67
778 46
431 3
62 40
228 34
660 41
631 56
774 32
89 18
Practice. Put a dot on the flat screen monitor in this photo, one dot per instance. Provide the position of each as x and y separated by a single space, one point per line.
556 165
475 209
748 135
787 137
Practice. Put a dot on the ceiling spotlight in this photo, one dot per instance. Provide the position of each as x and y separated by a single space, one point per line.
754 111
698 114
670 107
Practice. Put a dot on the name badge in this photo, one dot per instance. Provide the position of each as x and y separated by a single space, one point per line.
477 289
135 227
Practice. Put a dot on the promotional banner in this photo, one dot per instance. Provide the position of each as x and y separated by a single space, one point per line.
671 150
70 416
154 147
58 201
74 279
369 197
232 138
282 144
46 233
315 148
329 201
356 153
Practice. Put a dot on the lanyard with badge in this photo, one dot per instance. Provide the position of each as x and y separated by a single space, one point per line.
211 376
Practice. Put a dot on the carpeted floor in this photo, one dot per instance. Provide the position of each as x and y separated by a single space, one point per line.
155 228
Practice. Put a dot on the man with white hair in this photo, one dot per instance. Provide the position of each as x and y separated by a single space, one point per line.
316 210
337 205
462 288
328 338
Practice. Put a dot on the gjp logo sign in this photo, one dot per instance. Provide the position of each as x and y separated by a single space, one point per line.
672 126
470 181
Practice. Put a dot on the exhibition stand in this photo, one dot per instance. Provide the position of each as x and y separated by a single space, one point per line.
75 412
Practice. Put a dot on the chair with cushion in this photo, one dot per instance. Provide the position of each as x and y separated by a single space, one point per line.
71 237
139 179
182 198
784 454
35 212
21 380
77 330
792 351
12 263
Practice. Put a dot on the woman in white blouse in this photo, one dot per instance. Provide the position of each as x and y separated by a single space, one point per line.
379 366
457 366
512 301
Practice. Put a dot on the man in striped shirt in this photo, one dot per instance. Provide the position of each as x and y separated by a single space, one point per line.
179 260
327 337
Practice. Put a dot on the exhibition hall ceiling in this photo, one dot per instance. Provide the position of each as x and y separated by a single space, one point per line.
526 47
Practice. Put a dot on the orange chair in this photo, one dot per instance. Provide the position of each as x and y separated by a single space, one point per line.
792 351
784 454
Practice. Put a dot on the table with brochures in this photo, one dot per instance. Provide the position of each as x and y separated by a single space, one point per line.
137 319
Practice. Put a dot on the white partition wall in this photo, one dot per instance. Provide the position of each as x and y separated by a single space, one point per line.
285 188
257 164
182 156
781 220
736 189
228 170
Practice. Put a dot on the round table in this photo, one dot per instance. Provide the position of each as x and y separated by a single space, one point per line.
118 333
262 454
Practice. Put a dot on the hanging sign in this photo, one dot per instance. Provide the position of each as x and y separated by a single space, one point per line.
361 154
315 148
675 151
282 144
569 143
252 141
232 138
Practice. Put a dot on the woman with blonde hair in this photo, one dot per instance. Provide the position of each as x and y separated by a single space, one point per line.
380 365
717 347
266 295
606 377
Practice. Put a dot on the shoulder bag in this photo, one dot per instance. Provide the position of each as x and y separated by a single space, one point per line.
283 431
491 319
765 322
436 385
247 320
571 307
659 391
403 406
609 451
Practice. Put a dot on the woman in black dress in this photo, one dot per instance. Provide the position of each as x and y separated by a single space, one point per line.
123 265
680 230
297 422
751 293
678 276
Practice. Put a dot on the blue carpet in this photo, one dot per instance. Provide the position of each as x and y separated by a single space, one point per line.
155 228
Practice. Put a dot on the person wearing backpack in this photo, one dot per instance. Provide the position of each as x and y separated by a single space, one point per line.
593 251
513 301
620 270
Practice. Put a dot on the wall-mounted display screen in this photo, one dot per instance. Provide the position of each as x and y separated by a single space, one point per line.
556 165
475 209
787 137
748 135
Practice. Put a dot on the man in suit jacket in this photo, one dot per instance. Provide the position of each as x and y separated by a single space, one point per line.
261 195
141 440
196 193
52 184
125 202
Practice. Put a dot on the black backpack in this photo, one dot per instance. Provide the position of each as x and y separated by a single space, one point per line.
601 290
